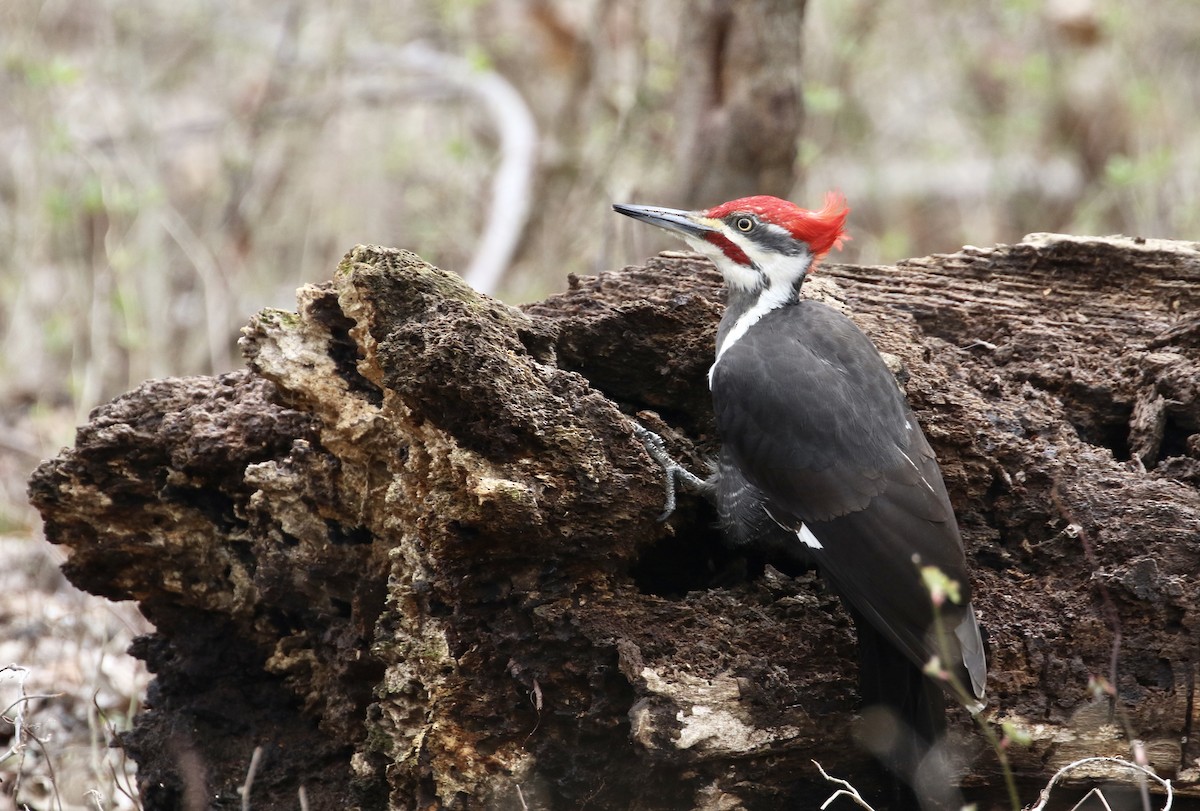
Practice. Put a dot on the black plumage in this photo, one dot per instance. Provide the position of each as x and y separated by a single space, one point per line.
815 433
822 461
812 417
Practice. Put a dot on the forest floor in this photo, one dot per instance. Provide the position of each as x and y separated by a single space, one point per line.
67 685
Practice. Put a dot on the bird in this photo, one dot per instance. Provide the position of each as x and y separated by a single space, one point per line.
821 458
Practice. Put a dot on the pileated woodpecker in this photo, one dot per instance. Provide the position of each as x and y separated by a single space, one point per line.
822 458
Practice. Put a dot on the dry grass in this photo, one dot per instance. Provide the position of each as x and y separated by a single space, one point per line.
68 682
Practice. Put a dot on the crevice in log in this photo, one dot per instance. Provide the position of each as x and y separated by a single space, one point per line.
343 350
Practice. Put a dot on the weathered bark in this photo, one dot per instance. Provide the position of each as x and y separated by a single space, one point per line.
412 551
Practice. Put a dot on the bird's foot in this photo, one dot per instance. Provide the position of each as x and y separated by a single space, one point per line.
675 474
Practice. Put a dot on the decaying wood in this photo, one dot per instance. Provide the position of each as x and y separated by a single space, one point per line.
412 550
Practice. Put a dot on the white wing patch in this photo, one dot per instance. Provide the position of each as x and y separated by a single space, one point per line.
804 533
808 539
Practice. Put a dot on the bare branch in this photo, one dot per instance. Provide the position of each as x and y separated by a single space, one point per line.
1044 796
846 790
517 130
245 788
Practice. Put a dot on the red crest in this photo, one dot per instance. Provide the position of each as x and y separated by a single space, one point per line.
822 230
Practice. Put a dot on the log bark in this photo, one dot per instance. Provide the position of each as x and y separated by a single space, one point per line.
412 550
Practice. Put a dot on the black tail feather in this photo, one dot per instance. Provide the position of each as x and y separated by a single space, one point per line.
904 718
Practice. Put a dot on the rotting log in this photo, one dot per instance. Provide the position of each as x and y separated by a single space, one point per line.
412 550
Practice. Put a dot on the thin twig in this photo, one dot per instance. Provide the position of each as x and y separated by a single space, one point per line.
19 730
966 698
846 790
126 789
110 733
41 744
1115 710
1099 795
535 698
1044 797
516 129
244 790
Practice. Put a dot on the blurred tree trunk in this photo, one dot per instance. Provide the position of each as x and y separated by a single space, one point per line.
739 108
721 120
412 551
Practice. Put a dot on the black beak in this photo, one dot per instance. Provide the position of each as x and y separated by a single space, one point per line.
684 223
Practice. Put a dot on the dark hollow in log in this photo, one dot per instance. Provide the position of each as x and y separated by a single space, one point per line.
412 550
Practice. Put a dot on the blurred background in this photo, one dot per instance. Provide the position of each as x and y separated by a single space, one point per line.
168 168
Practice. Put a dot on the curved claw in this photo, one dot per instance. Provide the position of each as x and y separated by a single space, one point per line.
674 473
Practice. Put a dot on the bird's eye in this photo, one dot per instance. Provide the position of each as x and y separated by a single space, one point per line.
745 224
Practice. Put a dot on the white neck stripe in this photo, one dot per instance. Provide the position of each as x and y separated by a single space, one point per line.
769 299
784 274
777 277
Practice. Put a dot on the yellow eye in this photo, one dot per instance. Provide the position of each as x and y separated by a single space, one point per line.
745 224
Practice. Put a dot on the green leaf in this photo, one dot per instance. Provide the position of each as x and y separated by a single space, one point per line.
940 587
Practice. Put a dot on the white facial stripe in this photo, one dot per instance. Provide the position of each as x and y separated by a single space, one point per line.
736 275
740 276
784 271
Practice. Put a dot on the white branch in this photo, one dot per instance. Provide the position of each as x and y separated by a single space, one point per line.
246 787
1044 797
517 130
846 790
